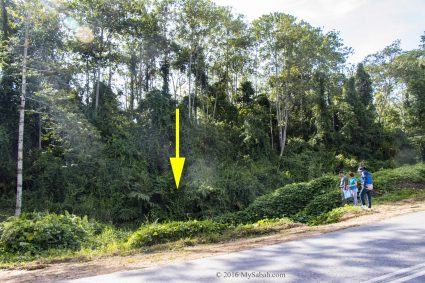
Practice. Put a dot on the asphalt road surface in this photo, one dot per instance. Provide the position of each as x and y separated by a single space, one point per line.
388 251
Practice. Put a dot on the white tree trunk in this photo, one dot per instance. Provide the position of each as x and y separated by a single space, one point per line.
87 82
190 82
280 112
21 126
97 88
281 129
284 131
285 117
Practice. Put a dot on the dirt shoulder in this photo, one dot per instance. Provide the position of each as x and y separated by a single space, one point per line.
108 264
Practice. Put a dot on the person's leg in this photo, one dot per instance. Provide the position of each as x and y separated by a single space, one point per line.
369 198
354 192
362 192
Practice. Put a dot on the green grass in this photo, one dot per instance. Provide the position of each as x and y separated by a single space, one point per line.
262 227
158 233
401 194
336 214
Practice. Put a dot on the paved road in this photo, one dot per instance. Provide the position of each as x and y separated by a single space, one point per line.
389 251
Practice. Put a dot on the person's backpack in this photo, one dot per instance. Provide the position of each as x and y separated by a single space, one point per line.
369 178
369 181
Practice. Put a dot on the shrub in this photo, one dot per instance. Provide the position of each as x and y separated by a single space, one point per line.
110 240
233 218
36 232
406 176
171 231
336 214
324 203
286 201
323 184
264 226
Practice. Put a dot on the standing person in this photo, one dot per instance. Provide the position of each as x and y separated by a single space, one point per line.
367 186
353 187
343 183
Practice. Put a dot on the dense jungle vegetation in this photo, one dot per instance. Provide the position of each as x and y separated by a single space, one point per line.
263 104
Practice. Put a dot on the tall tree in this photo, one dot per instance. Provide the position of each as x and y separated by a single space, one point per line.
409 67
387 97
22 122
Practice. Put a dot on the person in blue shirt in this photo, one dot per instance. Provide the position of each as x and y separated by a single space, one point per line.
353 187
367 186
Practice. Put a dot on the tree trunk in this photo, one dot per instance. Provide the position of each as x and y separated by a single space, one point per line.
284 131
167 65
131 107
5 23
227 72
280 122
236 82
139 76
126 94
286 118
97 87
98 71
87 82
39 131
190 81
110 77
271 126
256 70
21 125
133 75
166 77
215 104
195 94
279 109
173 81
146 80
206 95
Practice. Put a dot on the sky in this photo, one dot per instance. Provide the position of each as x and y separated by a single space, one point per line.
365 25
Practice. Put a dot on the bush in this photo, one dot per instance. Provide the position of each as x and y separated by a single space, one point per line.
234 218
406 176
323 184
336 214
36 232
324 203
286 201
261 227
171 231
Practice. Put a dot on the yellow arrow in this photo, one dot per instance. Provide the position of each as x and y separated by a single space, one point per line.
177 162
